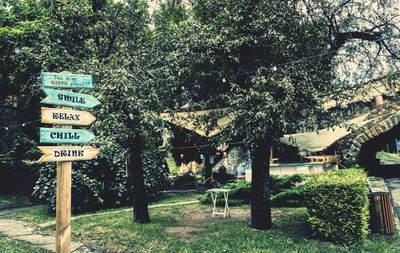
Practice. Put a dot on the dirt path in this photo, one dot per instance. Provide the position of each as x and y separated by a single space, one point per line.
198 218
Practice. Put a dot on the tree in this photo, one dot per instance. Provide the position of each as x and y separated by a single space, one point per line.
112 42
272 63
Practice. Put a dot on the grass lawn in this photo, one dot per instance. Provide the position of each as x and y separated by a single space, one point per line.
38 215
10 201
14 246
190 228
177 230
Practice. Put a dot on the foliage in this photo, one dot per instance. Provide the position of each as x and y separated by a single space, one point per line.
388 156
284 191
337 204
85 190
111 41
173 168
101 183
155 171
187 180
293 197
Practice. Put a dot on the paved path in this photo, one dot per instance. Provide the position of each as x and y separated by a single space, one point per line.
22 231
393 185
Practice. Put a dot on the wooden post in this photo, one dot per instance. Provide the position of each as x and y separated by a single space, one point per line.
63 204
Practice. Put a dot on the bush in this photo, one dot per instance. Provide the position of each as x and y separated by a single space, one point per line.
101 182
284 192
337 204
293 197
278 183
187 180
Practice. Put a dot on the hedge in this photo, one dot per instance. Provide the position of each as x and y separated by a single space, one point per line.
337 205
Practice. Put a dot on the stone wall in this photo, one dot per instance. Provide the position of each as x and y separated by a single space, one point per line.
383 119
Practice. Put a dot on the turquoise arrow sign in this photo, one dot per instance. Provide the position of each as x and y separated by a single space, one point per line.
67 81
66 98
65 136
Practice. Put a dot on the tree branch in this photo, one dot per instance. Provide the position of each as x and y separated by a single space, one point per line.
342 38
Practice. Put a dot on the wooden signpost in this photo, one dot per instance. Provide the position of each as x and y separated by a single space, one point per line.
66 80
66 117
64 134
66 98
67 153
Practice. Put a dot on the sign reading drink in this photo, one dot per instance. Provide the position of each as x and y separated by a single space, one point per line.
66 81
66 117
67 153
65 136
66 98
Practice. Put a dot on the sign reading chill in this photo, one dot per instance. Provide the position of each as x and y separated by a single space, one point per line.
68 117
65 136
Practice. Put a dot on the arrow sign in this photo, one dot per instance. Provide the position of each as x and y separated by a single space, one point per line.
66 81
66 98
67 153
66 117
65 136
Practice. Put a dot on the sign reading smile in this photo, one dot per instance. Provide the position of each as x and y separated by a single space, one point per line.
66 98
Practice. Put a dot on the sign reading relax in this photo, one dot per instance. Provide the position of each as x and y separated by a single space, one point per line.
66 117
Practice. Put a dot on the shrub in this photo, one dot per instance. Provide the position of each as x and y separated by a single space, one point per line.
337 204
293 197
278 183
101 182
187 180
85 191
284 192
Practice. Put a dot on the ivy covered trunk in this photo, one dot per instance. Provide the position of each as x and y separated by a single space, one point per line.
135 167
260 186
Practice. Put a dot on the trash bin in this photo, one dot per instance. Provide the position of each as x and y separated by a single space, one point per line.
382 220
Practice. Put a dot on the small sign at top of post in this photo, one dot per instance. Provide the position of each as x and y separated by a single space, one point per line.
66 81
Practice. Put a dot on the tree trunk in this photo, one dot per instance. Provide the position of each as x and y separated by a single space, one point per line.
135 167
260 186
207 169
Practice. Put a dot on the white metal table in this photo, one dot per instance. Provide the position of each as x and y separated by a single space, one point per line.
214 195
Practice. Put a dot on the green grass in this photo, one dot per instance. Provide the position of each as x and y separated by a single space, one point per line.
117 232
35 216
178 198
10 201
14 246
38 215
